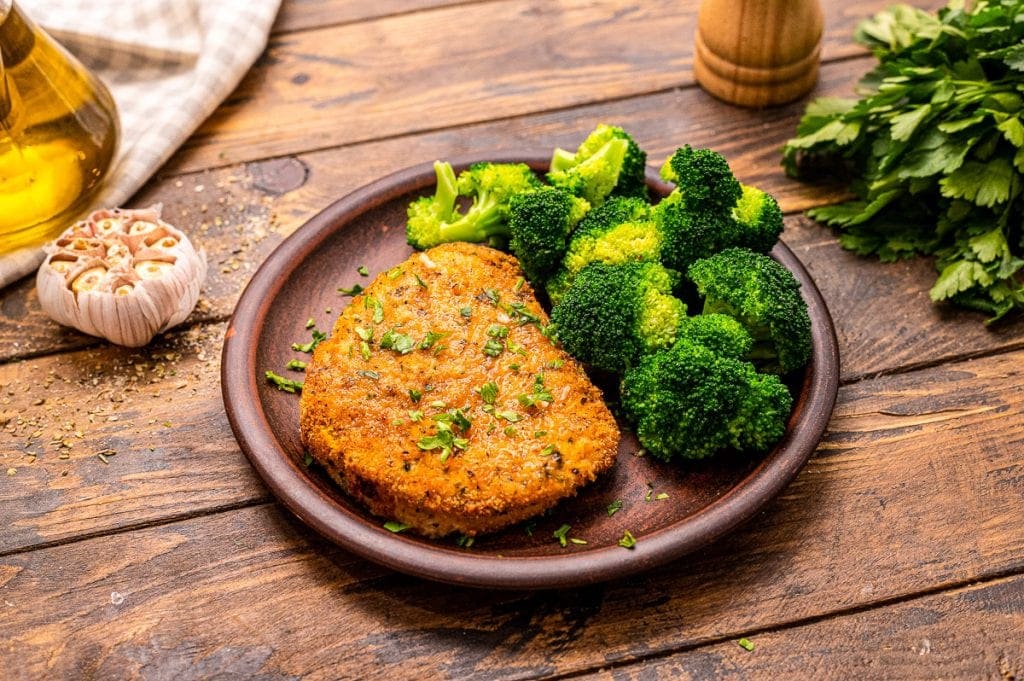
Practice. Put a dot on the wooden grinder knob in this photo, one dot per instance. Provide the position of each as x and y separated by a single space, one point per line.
758 52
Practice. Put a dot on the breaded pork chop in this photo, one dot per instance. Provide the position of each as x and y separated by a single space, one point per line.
438 402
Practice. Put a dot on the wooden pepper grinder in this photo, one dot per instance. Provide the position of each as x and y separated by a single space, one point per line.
758 52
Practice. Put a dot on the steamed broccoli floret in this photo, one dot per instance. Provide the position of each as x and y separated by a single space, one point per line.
718 332
608 161
613 314
539 224
618 231
436 220
709 210
689 402
763 296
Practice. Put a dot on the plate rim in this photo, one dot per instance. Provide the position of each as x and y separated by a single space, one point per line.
358 533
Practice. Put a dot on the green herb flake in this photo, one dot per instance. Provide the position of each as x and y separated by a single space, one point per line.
509 431
318 337
395 526
514 366
415 395
372 375
555 364
310 323
307 460
661 496
296 365
746 644
519 284
364 333
438 404
561 534
488 392
364 350
466 312
576 540
394 273
363 271
548 451
628 541
493 348
510 416
415 415
529 527
539 433
353 290
497 331
431 338
282 383
419 282
520 312
614 507
401 343
374 305
464 541
492 296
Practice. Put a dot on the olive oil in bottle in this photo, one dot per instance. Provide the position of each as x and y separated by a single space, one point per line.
58 133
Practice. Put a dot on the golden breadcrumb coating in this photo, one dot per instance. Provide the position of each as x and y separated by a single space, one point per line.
414 357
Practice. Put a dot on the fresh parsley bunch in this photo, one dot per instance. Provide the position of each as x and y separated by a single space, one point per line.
933 149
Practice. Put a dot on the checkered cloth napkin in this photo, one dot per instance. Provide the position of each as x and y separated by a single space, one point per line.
168 64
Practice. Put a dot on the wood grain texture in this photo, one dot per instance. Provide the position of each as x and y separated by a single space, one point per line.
370 80
976 632
879 513
298 15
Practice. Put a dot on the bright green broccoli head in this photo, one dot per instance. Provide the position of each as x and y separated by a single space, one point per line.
612 314
682 400
763 296
756 221
539 225
690 401
608 162
719 333
703 178
435 219
763 411
688 236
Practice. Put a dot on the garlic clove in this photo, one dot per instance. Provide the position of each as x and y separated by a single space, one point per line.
124 275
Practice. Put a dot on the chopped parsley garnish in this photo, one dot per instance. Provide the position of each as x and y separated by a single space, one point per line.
372 375
456 417
493 348
282 383
395 526
419 282
415 395
650 493
540 394
444 440
510 416
513 366
464 541
614 507
518 311
497 331
318 337
310 323
364 349
529 527
628 541
661 496
466 312
548 451
509 431
555 364
399 342
364 333
576 540
394 273
519 284
371 303
540 433
415 416
353 290
492 295
432 337
307 460
438 404
296 365
746 644
560 534
488 392
363 271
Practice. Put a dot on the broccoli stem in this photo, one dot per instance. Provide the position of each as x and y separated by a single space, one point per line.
447 192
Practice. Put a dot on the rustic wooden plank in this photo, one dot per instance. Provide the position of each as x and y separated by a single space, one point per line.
239 214
455 66
976 632
299 15
880 513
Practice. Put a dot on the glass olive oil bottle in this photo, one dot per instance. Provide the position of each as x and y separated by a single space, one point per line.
58 133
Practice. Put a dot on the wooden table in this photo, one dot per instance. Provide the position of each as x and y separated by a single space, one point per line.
898 552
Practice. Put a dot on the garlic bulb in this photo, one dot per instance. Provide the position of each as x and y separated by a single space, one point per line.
124 275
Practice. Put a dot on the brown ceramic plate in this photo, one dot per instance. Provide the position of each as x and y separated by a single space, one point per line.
704 499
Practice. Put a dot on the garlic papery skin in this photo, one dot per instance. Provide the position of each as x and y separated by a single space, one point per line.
123 275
